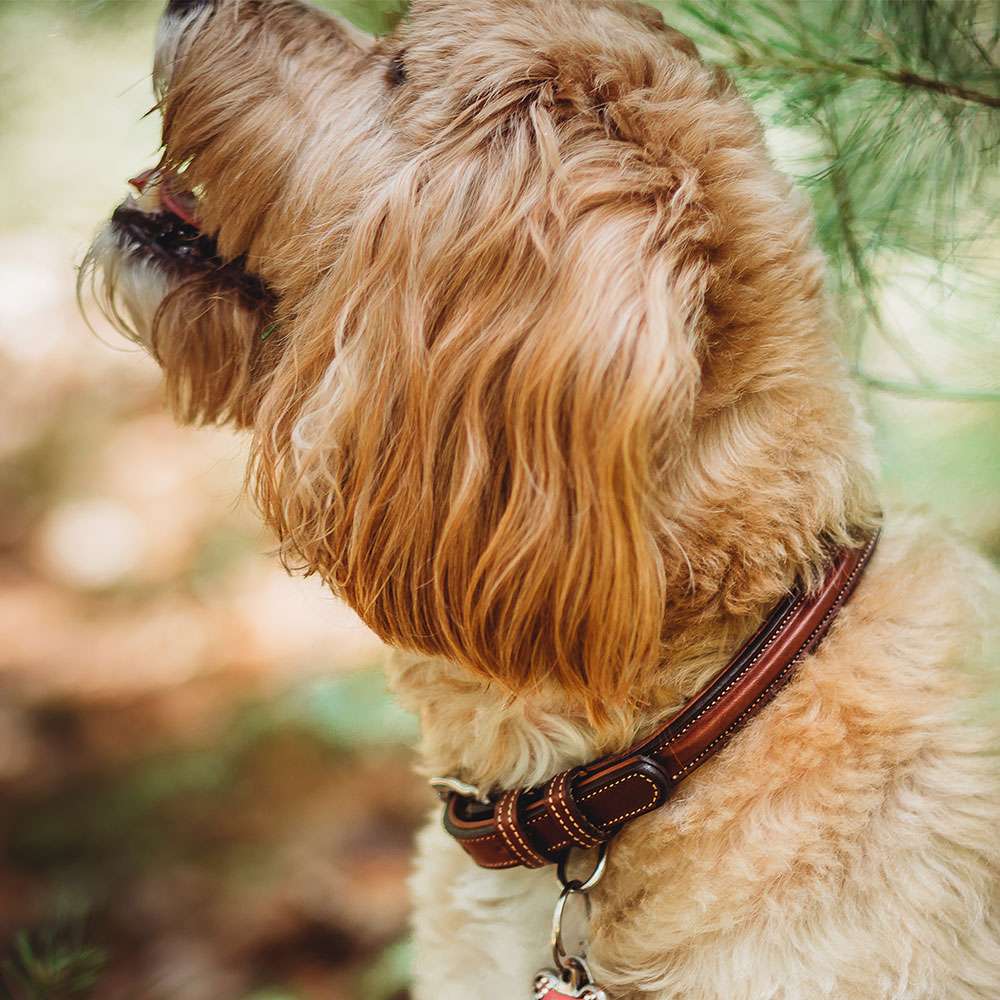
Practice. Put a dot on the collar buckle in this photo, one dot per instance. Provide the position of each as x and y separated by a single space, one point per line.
444 786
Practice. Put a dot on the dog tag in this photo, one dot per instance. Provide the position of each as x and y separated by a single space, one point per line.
549 986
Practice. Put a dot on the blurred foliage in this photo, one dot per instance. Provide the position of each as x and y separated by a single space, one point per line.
887 113
389 976
377 16
201 776
225 825
50 966
349 711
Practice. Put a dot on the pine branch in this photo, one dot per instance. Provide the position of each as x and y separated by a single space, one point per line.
53 964
860 69
929 392
862 275
888 115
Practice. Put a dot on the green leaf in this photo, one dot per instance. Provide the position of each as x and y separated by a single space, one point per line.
379 17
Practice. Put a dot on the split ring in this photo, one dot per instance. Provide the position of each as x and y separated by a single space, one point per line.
563 958
583 885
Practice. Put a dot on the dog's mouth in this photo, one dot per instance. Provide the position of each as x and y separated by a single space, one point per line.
161 222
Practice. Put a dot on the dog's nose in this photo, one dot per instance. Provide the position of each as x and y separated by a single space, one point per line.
180 7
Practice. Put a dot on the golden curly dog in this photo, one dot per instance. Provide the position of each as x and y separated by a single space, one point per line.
532 343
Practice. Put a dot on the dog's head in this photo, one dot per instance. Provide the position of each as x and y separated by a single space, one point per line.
529 333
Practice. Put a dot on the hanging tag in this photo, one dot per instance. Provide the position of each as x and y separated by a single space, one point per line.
549 986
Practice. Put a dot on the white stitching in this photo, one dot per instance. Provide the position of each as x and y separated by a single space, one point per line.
498 864
770 689
566 843
832 610
589 838
476 840
505 833
502 830
735 680
629 777
643 808
533 856
552 805
584 839
634 812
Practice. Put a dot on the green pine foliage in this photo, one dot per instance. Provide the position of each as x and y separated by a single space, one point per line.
888 113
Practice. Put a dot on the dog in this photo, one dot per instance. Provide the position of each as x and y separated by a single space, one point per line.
532 344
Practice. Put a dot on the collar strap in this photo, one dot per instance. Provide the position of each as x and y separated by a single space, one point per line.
587 805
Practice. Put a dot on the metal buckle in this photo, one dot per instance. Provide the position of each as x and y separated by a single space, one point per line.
444 785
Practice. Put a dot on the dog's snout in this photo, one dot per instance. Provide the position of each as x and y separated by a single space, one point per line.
181 7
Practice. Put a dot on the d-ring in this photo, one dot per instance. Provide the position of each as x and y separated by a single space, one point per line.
592 879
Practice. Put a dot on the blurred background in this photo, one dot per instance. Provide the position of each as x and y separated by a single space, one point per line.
204 789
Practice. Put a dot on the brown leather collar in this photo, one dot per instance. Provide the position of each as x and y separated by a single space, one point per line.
587 805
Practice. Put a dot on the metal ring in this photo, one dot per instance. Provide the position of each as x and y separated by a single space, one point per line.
444 785
583 885
563 960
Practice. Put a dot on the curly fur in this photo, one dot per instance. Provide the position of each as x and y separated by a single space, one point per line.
555 406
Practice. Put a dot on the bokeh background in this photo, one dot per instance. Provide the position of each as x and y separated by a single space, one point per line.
205 791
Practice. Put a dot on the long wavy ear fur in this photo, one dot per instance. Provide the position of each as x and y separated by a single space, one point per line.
469 439
571 370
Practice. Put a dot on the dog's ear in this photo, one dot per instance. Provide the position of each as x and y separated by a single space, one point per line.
471 434
648 87
483 432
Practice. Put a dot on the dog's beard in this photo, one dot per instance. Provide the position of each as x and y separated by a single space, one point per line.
127 286
152 244
160 280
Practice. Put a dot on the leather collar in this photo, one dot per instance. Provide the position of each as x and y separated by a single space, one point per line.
586 806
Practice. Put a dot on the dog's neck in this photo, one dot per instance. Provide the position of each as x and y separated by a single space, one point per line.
474 730
739 559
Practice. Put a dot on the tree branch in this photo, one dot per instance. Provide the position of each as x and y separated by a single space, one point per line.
860 70
928 392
